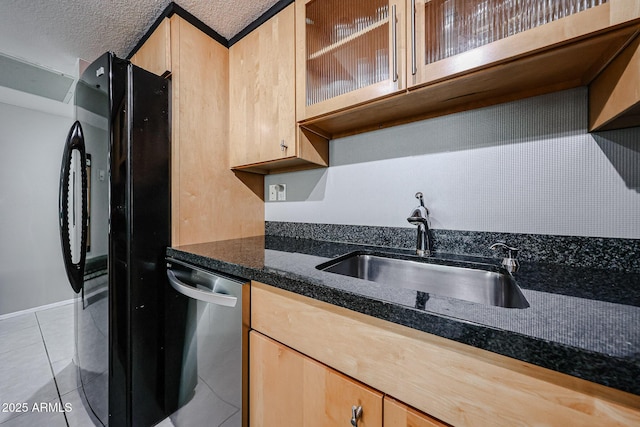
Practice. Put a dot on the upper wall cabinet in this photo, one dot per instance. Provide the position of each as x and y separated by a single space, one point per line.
264 135
614 96
155 54
449 37
349 52
467 54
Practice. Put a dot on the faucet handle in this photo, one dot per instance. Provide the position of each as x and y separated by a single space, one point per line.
419 197
510 263
513 252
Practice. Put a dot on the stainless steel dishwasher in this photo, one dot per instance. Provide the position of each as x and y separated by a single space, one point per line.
209 321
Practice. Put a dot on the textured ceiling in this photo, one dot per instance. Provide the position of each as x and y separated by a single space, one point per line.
54 34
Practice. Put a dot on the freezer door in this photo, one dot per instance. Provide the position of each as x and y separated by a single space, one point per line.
93 103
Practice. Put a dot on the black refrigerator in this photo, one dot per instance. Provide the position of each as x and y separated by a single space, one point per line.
115 227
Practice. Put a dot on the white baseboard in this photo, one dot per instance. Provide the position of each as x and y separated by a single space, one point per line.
35 309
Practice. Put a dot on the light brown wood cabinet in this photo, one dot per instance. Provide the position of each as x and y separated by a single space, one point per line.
561 54
290 389
209 201
349 52
264 135
155 54
452 38
614 96
455 383
397 414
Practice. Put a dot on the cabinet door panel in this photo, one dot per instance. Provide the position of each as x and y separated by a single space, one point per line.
454 36
397 414
262 92
290 389
349 52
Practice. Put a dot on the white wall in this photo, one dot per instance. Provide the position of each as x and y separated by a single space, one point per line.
523 167
32 138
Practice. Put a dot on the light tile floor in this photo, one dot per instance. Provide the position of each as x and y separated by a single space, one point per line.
38 382
38 385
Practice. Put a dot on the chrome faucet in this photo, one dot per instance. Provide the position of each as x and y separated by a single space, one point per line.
420 217
509 262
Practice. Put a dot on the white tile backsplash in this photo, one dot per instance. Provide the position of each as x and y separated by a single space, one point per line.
523 167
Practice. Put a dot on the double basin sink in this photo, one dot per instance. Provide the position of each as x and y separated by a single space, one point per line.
474 282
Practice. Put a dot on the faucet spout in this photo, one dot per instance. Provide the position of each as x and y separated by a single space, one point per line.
422 242
420 217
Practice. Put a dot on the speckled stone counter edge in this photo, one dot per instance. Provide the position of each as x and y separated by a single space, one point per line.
574 251
619 373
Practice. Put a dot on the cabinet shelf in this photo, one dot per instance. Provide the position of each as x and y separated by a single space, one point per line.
347 40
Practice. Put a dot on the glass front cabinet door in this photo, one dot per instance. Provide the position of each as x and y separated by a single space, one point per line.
442 29
445 55
349 52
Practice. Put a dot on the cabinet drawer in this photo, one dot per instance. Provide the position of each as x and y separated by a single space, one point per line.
290 389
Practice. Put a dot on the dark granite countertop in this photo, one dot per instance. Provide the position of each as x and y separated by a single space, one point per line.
582 322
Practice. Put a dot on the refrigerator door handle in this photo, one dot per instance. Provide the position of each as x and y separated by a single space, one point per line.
206 296
75 271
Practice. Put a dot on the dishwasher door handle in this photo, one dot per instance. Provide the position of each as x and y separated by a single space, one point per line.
206 296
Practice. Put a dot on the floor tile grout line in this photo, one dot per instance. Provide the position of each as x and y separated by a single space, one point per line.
53 374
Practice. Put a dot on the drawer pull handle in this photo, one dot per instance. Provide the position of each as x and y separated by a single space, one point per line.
414 68
356 414
394 30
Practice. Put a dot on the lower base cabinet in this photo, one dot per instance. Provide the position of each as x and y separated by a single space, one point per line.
398 414
288 388
450 381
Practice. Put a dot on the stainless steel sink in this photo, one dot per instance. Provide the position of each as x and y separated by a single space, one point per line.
479 283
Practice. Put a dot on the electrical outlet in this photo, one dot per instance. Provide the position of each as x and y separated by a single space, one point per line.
282 191
277 192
